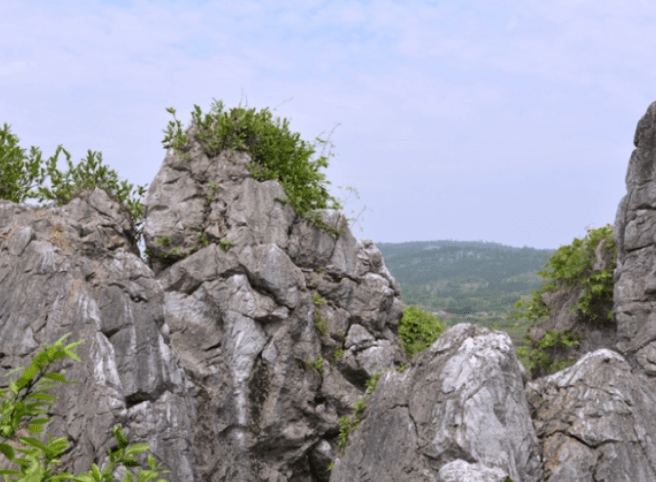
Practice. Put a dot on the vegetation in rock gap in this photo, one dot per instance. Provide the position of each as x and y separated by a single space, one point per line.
348 424
533 356
570 265
418 330
276 154
318 321
34 468
313 363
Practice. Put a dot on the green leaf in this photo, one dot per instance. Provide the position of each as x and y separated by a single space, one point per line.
137 448
7 450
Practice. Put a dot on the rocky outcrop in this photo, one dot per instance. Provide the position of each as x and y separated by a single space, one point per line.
463 413
458 414
595 421
71 268
236 350
234 356
635 278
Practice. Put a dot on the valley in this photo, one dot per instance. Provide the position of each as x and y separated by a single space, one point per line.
467 281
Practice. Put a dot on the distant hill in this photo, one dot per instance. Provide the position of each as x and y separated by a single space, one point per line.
472 281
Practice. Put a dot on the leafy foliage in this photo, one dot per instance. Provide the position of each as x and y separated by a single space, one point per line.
418 330
14 409
19 175
536 355
339 354
570 265
276 154
23 178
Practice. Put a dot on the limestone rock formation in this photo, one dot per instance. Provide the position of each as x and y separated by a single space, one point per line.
635 230
595 421
71 268
235 362
235 351
458 414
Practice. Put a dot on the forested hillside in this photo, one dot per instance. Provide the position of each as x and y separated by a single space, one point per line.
472 281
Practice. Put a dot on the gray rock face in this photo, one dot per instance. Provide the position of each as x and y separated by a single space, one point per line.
224 360
71 268
595 421
458 414
635 227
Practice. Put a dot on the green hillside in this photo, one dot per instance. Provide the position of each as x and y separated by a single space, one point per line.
467 281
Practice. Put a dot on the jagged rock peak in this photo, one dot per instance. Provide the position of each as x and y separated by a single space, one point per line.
234 362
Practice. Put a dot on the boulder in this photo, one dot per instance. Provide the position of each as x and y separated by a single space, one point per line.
457 414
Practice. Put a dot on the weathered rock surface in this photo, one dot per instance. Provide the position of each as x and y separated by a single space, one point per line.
594 330
70 268
216 360
596 421
635 279
458 414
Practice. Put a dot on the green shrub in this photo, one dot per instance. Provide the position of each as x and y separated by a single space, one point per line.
226 244
339 354
316 364
418 330
348 424
210 198
202 239
572 265
318 300
403 367
372 383
536 356
23 178
163 241
320 324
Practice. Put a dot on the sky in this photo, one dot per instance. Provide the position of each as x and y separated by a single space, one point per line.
506 121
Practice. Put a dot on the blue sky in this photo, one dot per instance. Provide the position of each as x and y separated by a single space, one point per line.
501 121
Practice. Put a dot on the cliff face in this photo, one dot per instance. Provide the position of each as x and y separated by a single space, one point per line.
246 348
233 363
635 279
